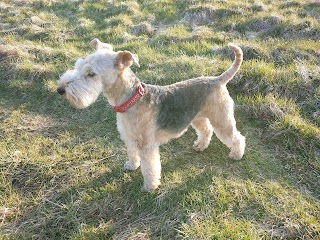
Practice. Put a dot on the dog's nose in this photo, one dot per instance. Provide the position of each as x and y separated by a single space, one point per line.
61 90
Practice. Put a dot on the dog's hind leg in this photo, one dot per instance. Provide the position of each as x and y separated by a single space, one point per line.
224 126
204 131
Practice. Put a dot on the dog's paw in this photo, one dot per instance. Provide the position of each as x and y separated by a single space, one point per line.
150 187
235 155
130 166
237 150
200 146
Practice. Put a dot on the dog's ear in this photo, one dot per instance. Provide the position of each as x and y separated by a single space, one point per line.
135 60
125 59
97 44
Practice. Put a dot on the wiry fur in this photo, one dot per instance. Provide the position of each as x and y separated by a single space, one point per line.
163 113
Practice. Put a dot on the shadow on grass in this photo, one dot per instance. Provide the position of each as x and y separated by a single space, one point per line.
111 205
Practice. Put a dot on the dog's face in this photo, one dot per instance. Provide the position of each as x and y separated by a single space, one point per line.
93 74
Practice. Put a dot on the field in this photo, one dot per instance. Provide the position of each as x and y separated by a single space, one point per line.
61 169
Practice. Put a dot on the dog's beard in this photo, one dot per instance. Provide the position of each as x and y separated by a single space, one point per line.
82 94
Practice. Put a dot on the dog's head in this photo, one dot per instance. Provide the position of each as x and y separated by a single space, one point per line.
95 73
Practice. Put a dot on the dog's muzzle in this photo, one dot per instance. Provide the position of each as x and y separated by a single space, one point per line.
61 90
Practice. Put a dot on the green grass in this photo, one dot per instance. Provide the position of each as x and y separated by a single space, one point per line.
61 174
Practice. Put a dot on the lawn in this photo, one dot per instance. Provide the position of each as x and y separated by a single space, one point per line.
61 169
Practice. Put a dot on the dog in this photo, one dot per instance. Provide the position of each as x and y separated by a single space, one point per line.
149 115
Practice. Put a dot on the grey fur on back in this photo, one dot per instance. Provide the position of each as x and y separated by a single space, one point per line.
178 104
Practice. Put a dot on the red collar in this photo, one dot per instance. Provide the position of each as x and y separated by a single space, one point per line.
125 106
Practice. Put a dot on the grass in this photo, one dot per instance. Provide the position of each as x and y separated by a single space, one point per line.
61 173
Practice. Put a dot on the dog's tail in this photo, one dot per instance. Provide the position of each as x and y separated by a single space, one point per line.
225 77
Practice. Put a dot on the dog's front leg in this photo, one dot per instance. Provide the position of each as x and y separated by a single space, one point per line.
150 167
131 144
134 159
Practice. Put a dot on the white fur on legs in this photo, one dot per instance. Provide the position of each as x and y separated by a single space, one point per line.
237 147
134 159
230 136
204 131
224 126
150 167
129 165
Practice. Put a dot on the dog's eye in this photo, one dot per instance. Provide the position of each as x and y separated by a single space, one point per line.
91 74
